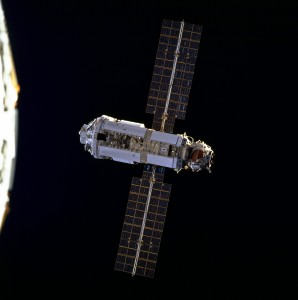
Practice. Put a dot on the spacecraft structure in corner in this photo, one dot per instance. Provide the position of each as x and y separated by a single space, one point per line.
157 148
9 90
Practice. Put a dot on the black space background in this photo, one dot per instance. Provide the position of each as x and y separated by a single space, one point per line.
230 234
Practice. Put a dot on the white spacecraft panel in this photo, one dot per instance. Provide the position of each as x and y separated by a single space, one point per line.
9 90
131 123
120 154
168 138
125 128
165 161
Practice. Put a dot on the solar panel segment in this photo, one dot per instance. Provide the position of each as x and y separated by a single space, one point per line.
158 174
160 89
154 223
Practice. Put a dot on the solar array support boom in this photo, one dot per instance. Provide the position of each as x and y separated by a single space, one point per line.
152 179
165 113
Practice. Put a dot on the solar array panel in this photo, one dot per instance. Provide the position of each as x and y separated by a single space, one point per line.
169 124
159 172
164 64
155 218
149 196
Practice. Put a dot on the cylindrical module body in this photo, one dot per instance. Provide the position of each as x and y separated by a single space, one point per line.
130 142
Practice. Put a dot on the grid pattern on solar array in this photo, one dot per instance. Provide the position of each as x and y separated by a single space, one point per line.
169 123
153 227
163 69
158 175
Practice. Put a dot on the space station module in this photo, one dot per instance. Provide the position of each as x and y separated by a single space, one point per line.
132 143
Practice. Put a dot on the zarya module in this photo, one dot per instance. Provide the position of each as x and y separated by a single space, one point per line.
132 143
157 148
